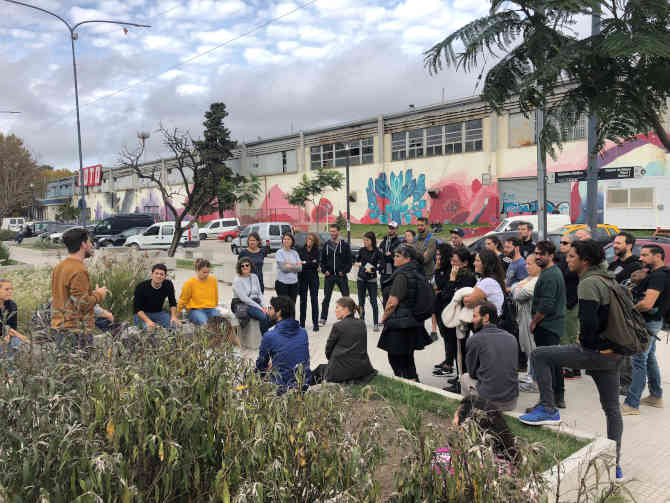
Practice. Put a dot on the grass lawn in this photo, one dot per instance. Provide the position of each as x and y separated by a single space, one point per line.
380 230
400 393
10 262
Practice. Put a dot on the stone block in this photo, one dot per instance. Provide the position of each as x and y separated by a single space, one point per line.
250 335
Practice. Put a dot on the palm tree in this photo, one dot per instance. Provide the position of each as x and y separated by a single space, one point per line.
622 74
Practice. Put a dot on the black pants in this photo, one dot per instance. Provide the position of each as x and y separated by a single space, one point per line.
287 290
546 338
370 288
626 372
329 283
385 286
403 365
450 341
309 283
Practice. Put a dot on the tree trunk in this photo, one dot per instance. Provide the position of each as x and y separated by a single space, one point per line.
178 232
660 130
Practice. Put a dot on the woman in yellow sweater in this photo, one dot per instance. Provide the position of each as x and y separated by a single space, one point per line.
200 294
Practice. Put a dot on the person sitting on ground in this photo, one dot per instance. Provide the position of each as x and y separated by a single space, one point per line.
247 292
492 360
74 298
9 318
149 298
200 294
286 345
347 347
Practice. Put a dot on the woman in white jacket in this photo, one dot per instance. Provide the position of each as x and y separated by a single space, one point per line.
522 292
247 291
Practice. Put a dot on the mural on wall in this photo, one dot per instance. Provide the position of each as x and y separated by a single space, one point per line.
459 203
399 199
511 207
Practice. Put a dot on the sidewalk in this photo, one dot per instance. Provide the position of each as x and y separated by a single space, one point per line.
645 452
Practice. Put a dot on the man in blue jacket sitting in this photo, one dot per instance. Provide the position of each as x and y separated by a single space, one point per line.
284 352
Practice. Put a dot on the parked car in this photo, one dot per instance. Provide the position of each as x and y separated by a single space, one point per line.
270 233
554 222
663 242
56 237
13 223
603 232
159 235
43 226
228 235
116 224
118 239
215 227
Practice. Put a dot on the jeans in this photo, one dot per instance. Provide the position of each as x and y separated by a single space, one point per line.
603 368
161 318
329 283
309 283
200 316
449 336
546 338
403 365
646 366
289 290
263 320
370 288
7 351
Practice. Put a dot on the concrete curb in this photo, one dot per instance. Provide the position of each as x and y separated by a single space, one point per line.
571 469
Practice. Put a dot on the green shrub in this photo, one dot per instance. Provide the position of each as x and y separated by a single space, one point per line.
6 235
32 287
4 254
46 244
178 422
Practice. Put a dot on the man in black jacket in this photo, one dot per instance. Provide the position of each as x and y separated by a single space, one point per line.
336 262
593 353
387 247
526 236
571 306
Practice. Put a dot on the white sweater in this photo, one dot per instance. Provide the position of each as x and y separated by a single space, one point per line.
247 289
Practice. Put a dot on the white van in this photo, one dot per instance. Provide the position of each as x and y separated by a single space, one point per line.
160 236
213 228
554 222
13 224
271 234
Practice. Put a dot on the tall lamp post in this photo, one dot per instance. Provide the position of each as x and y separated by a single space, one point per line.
73 37
348 199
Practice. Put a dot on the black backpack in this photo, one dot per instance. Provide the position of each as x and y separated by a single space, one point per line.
509 315
425 299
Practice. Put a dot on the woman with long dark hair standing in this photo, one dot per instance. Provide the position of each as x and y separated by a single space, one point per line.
256 254
440 285
308 279
491 281
288 267
368 260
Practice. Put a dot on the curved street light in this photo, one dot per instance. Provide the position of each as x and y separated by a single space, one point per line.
73 37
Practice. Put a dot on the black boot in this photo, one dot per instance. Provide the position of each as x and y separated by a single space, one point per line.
559 400
454 388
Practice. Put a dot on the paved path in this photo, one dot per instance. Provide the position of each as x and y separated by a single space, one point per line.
646 442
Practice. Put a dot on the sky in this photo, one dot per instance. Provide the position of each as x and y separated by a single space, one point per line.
279 66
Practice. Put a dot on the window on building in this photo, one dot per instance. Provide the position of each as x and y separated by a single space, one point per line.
367 148
415 147
573 129
359 152
283 162
434 140
641 198
453 138
399 146
474 136
341 153
617 198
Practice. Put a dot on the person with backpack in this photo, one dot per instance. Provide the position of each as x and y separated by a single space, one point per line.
426 245
405 312
548 310
653 306
595 352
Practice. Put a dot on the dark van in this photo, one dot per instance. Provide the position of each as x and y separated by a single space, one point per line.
116 224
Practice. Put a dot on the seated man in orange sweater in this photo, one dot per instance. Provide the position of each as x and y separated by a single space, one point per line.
73 296
200 294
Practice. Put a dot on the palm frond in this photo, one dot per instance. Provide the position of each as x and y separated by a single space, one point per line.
498 30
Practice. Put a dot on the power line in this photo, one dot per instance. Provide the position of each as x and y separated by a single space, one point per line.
191 59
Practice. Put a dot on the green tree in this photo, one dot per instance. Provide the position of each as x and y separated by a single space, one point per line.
205 178
67 213
17 171
309 189
622 74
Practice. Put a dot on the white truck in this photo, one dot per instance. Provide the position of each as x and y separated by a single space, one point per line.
159 236
13 223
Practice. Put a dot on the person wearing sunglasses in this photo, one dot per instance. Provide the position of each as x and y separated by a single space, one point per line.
247 295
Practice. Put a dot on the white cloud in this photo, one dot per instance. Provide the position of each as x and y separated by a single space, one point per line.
280 31
206 9
171 74
422 34
411 10
214 37
287 45
314 34
190 89
162 43
23 34
262 56
310 52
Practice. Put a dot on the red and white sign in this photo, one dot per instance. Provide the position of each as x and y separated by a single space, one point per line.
93 175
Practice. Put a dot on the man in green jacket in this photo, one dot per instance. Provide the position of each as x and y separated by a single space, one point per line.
548 310
426 244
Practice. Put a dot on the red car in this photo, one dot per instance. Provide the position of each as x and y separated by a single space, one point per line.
228 236
663 242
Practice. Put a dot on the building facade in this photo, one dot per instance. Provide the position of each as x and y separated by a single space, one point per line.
455 162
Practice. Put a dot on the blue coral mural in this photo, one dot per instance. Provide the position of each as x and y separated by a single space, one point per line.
400 198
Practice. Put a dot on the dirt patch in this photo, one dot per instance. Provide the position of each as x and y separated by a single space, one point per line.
389 422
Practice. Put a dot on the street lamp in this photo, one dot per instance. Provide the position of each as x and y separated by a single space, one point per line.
348 197
73 37
32 201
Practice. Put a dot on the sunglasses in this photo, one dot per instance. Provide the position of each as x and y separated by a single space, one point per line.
246 265
565 242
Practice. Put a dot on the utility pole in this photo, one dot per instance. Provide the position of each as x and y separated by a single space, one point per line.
73 36
348 201
541 177
592 168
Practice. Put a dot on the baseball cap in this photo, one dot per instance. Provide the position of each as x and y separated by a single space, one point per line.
458 230
393 224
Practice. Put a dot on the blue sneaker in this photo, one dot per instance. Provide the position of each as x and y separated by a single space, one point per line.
540 415
619 475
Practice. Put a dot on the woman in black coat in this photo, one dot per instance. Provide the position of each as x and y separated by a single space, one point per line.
441 286
308 279
346 348
368 260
